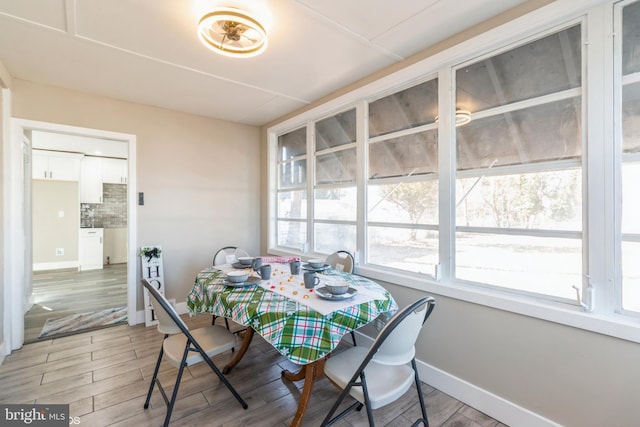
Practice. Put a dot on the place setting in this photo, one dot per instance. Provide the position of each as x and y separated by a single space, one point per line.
315 265
245 276
336 291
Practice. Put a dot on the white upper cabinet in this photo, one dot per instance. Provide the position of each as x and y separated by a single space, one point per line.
91 180
114 171
57 166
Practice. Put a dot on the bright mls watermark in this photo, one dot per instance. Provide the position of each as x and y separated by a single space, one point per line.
36 415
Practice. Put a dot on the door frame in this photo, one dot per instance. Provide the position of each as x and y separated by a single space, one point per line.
15 300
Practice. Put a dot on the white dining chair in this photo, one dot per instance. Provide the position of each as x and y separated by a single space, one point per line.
341 260
229 255
183 348
381 374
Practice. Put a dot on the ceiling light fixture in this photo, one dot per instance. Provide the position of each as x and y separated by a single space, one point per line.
232 32
462 117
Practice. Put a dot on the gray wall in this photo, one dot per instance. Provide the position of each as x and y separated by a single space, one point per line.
50 231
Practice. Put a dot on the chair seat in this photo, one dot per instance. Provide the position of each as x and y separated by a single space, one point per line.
385 383
213 339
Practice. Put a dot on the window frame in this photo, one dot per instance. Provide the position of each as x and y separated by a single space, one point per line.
598 163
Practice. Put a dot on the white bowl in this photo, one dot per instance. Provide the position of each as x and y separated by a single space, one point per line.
238 276
337 288
316 263
245 260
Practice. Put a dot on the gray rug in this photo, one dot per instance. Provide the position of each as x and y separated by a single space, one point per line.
82 321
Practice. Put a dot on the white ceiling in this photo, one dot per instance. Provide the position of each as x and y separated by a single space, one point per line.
147 51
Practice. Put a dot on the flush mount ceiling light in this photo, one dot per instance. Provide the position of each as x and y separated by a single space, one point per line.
462 117
232 32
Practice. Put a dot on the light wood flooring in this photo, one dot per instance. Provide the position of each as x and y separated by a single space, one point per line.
104 376
60 293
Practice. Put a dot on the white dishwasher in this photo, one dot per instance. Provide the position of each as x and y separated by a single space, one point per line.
90 249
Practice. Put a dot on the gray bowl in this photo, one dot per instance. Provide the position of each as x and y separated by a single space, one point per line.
316 263
238 276
337 288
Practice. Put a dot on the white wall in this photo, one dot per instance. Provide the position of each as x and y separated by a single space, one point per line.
200 176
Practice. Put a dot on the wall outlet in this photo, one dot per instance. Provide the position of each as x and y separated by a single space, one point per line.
59 251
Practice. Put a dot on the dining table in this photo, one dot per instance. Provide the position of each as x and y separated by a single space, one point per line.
303 324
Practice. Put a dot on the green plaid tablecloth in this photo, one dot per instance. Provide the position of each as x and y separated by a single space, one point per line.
298 332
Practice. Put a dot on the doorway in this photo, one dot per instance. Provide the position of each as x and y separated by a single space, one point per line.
79 229
20 296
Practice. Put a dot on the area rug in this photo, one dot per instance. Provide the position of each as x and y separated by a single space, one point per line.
82 321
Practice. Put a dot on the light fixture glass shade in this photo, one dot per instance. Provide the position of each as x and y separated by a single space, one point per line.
232 32
462 117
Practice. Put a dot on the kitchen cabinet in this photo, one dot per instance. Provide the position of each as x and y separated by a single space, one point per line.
114 171
56 166
91 180
90 249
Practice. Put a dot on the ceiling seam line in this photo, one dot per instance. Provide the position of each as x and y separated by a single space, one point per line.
379 48
162 61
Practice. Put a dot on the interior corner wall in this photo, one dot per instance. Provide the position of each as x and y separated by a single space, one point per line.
200 176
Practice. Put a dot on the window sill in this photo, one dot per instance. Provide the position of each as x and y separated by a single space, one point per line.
618 327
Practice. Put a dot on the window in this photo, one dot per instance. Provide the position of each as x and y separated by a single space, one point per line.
518 183
335 194
402 212
630 157
291 226
533 199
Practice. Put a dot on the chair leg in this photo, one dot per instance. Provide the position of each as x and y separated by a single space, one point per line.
420 397
367 403
155 375
328 420
222 378
176 386
353 337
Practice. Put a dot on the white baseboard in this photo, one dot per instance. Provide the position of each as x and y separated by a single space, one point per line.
180 307
42 266
484 401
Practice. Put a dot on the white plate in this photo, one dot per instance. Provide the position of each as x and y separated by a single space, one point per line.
250 281
324 293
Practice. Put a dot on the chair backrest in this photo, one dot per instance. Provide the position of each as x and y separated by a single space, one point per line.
228 255
341 260
168 320
395 344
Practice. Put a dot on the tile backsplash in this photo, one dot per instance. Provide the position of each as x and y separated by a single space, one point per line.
111 213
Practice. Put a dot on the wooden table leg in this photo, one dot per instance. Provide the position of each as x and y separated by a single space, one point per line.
309 373
246 340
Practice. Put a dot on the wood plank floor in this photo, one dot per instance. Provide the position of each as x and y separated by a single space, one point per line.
104 376
60 293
